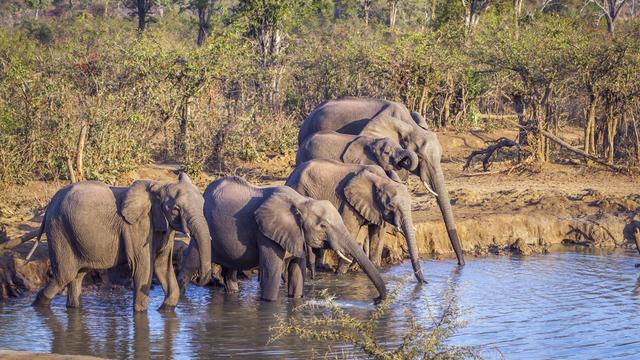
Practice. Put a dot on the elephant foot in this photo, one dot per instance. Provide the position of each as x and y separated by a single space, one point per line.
232 287
268 299
41 301
140 308
73 304
167 308
342 269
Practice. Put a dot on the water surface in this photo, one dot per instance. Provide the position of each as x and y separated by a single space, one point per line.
563 305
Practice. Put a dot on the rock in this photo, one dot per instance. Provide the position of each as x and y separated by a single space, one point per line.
26 355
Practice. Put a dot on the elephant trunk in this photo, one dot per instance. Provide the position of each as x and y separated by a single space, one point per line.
198 226
405 223
407 159
367 266
437 182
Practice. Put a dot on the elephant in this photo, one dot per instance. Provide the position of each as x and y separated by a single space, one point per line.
363 195
90 225
358 149
382 118
268 228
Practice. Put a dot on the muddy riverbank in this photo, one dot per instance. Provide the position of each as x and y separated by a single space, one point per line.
522 212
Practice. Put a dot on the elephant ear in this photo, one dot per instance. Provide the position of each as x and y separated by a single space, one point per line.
140 199
277 220
360 193
419 120
391 127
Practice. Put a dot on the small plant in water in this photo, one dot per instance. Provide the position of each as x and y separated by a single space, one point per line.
424 339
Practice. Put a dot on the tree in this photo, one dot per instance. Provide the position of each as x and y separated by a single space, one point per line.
38 5
472 10
204 10
610 9
142 10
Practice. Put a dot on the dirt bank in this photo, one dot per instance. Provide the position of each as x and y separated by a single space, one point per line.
523 211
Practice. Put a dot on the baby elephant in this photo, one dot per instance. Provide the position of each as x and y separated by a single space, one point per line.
90 225
269 227
358 149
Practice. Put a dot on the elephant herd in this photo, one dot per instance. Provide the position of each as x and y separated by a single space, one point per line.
353 155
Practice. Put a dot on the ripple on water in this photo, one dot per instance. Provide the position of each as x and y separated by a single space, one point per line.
562 305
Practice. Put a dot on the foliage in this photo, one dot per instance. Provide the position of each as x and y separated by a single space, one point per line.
424 338
239 98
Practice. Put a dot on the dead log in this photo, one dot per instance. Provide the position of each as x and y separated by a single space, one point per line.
11 243
574 149
488 152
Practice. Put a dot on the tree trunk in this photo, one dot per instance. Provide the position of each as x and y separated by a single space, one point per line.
612 125
589 126
393 12
82 137
520 109
183 136
142 15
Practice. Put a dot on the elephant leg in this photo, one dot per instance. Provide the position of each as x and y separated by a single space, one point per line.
311 262
230 277
163 269
296 277
376 241
62 276
142 280
271 265
74 289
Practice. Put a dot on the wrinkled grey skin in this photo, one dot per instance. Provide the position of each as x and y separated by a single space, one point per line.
268 228
363 195
90 225
358 149
381 118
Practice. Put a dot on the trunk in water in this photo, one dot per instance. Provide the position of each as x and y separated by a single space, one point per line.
200 230
447 212
406 224
367 267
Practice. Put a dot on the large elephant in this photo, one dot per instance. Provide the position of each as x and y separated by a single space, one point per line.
363 195
382 118
270 227
358 149
90 225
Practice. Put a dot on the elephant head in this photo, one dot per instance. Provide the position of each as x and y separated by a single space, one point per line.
392 156
296 222
426 145
379 200
177 205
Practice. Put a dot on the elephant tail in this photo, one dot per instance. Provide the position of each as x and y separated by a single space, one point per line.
40 232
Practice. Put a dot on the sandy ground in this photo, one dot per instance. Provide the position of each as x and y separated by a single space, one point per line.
520 211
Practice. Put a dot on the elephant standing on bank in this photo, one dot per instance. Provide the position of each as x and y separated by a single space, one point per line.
268 228
381 118
90 225
363 195
358 149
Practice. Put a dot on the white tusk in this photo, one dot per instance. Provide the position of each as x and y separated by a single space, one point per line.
343 257
429 189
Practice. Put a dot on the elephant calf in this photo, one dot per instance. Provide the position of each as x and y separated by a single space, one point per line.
365 196
358 149
90 225
268 228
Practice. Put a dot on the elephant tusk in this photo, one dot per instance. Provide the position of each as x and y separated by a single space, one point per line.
343 257
429 189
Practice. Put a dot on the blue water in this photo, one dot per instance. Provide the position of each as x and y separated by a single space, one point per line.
563 305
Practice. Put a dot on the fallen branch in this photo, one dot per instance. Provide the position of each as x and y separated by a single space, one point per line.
573 149
488 152
10 244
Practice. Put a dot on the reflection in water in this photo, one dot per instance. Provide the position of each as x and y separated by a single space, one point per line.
560 305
